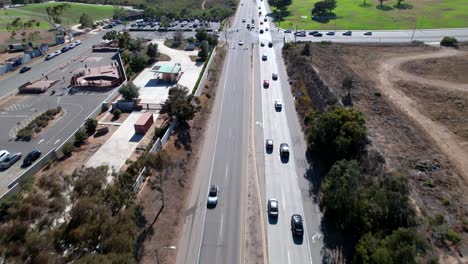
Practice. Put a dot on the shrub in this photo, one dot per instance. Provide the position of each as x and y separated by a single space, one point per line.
453 237
91 125
67 149
80 138
449 41
117 113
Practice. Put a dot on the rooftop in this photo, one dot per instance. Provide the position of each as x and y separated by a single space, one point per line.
166 67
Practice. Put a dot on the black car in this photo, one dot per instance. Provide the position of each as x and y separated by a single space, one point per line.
313 33
296 225
31 157
25 69
347 33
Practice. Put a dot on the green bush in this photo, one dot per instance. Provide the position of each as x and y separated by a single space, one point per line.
453 237
67 149
80 138
91 125
449 41
117 113
337 134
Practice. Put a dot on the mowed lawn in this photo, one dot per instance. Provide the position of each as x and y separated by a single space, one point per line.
70 16
352 14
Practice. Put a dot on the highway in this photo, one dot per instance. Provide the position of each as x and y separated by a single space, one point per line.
217 235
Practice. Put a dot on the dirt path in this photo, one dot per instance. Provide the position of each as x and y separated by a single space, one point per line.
403 75
452 146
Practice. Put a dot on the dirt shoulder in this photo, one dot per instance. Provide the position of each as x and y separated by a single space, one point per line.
405 122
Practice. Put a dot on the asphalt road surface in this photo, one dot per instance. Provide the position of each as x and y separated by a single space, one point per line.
387 36
217 235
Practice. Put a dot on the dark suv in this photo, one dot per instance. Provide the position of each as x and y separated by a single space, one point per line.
296 225
31 157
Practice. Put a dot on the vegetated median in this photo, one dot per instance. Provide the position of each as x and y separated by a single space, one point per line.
36 126
368 213
367 14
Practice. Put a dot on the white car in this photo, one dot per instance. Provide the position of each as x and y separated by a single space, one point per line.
278 105
213 196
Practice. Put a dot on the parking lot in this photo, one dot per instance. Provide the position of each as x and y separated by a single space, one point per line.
184 25
76 108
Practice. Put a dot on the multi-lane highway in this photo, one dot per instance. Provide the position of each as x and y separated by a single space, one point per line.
218 235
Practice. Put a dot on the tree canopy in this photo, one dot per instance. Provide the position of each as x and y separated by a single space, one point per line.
179 104
338 133
129 91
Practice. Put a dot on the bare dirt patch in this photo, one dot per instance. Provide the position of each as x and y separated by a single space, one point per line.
451 69
409 123
183 147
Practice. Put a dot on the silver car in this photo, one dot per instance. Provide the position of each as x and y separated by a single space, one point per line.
213 196
10 160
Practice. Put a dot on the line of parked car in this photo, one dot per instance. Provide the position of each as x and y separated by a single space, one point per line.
303 33
7 159
64 49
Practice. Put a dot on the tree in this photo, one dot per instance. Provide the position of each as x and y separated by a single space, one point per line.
119 13
91 125
67 149
86 21
152 51
54 13
80 138
111 35
306 50
178 37
124 40
201 35
324 8
159 161
138 61
401 246
338 133
204 50
179 104
129 91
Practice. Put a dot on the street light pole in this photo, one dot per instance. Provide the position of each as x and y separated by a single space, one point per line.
163 247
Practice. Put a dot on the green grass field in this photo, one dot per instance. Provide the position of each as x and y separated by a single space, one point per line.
71 16
352 14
